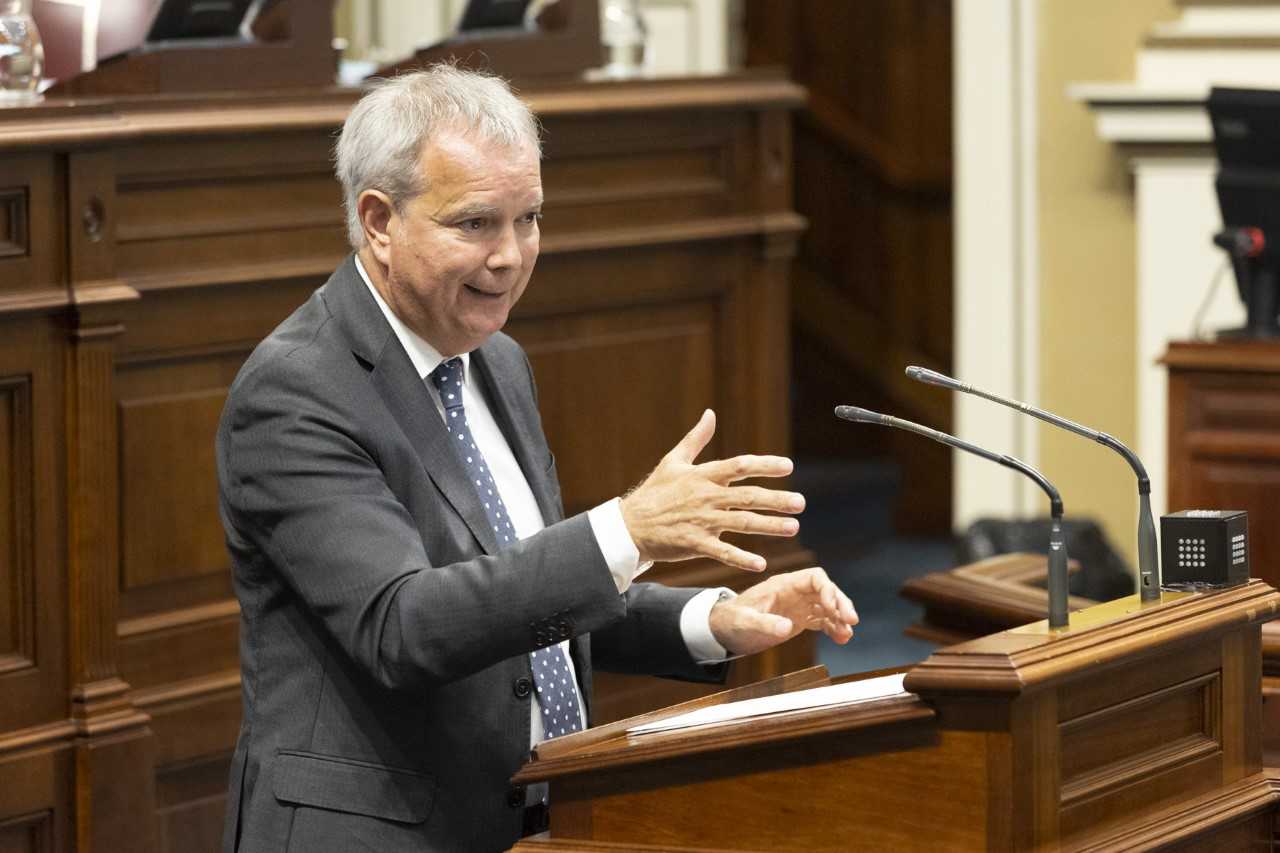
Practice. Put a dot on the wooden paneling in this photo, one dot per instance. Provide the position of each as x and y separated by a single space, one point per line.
169 526
33 643
191 799
872 158
36 800
15 212
657 353
1224 438
17 580
27 834
31 230
200 206
1130 741
165 238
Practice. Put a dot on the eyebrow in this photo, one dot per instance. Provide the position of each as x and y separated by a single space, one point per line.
477 211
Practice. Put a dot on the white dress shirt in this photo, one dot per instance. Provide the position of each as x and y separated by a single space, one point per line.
616 545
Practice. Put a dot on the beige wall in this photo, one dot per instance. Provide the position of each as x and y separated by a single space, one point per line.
1087 264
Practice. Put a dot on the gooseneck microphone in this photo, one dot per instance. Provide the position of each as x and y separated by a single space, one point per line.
1148 553
1057 545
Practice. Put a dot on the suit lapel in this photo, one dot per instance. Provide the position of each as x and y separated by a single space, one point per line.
406 396
516 420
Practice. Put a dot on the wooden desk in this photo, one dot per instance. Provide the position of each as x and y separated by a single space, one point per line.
1224 437
1224 452
146 245
1136 728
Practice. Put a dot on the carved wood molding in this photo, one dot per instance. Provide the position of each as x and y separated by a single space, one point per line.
766 227
188 617
1026 658
1186 821
777 728
16 467
1230 356
1125 770
1001 590
62 122
103 707
37 737
544 844
731 92
33 301
814 676
14 218
693 231
238 274
153 699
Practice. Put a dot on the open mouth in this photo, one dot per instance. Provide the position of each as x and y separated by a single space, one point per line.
481 293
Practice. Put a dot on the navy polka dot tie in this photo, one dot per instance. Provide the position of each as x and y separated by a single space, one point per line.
557 690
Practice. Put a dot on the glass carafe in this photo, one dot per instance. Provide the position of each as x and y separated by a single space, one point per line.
623 31
21 54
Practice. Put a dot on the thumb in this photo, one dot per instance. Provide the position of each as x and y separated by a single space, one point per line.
696 439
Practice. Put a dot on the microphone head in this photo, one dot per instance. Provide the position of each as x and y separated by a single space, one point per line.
857 415
932 377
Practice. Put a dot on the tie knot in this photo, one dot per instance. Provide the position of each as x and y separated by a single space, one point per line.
447 378
448 373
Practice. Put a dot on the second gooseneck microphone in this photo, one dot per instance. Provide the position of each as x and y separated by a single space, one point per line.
1057 544
1148 553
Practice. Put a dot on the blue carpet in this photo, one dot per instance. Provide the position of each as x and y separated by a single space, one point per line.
847 525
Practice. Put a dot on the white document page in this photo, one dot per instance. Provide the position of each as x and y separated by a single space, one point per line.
867 690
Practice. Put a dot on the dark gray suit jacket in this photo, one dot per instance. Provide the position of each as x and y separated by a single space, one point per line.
384 637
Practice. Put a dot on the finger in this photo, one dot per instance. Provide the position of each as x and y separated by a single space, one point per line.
838 605
696 439
757 497
731 555
726 471
837 631
830 600
751 522
848 614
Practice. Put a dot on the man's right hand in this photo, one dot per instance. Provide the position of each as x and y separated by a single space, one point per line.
681 508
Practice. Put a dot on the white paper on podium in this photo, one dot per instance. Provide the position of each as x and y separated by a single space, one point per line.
849 693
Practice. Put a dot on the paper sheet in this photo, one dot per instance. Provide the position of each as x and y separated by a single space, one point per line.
849 693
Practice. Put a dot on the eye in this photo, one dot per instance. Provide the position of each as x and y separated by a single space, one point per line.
531 217
472 225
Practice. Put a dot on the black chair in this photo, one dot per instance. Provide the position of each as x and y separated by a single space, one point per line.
1103 574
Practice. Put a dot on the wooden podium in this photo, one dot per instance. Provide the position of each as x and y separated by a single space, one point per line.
1134 728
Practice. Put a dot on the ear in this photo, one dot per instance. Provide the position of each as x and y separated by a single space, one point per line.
376 215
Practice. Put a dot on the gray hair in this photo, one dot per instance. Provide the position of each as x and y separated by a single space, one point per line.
384 134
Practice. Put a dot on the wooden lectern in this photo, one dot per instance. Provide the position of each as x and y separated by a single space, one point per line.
1136 727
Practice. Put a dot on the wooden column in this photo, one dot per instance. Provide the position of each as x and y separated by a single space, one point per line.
114 772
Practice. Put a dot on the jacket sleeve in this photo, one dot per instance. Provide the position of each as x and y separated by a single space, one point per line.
648 640
312 523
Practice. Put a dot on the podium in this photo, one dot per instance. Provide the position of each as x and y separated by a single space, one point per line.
1136 727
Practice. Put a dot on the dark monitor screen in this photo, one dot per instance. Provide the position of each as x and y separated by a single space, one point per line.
493 15
1246 136
199 19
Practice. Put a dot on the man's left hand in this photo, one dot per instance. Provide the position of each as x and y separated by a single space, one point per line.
775 610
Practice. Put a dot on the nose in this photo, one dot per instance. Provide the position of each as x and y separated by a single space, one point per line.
505 252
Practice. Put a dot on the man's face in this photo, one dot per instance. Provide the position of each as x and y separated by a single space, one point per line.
459 256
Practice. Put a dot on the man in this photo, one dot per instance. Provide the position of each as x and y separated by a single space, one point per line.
415 611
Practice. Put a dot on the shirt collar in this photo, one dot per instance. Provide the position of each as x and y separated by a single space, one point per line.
424 356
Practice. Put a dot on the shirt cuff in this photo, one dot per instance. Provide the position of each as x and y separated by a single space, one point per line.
695 626
616 546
